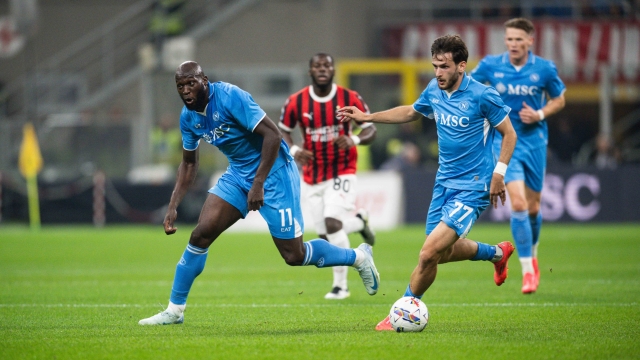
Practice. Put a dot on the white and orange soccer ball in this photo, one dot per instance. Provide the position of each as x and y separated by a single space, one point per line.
409 314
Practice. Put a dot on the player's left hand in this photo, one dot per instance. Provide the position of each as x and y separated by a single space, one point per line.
255 198
344 142
528 115
497 190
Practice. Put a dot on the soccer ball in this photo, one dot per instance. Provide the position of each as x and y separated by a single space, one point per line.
408 314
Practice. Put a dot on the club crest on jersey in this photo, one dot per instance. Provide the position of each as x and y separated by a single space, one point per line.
464 105
216 116
534 77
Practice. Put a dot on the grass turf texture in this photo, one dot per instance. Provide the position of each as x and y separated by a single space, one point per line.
78 292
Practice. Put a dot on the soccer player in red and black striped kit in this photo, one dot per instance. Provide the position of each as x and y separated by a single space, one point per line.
328 156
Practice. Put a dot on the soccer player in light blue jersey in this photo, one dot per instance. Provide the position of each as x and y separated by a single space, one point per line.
530 85
261 176
466 114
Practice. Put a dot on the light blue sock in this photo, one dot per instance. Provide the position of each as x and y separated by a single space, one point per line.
485 252
536 224
189 267
408 292
321 253
521 231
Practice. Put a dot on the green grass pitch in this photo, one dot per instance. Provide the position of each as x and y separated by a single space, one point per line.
78 293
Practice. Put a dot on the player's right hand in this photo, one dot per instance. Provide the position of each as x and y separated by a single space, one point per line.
497 190
168 222
303 156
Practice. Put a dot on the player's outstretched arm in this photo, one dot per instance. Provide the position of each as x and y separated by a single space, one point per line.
509 137
397 115
187 171
270 147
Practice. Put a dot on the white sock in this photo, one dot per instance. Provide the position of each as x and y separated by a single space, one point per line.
498 256
534 250
339 239
527 265
176 309
360 256
352 225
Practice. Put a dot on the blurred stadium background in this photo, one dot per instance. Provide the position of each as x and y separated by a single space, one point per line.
96 80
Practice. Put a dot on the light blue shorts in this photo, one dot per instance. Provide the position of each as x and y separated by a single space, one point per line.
529 166
281 210
459 209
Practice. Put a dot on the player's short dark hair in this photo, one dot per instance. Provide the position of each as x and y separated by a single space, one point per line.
450 44
320 54
522 24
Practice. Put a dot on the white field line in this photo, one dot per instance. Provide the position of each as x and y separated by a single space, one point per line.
433 305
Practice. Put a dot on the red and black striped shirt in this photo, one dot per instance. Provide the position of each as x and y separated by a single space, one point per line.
320 126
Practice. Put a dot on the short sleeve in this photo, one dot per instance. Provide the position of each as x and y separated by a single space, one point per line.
479 74
189 139
492 107
288 116
422 105
360 104
241 106
554 86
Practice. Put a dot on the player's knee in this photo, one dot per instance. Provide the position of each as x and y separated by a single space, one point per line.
428 257
200 238
534 208
333 225
293 259
519 204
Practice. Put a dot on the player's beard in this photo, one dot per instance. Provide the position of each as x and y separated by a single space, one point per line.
449 84
200 100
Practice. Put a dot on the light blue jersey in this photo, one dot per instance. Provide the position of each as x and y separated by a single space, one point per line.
228 122
465 120
530 84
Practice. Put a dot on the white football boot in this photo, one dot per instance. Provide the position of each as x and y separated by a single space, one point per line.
164 318
368 272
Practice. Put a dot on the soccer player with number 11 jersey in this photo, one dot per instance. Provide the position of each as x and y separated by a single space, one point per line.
467 115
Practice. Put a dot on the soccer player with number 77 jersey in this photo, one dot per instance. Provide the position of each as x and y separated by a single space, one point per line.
467 115
524 82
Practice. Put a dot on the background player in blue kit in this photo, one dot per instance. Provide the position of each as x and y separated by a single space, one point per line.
524 82
468 180
261 176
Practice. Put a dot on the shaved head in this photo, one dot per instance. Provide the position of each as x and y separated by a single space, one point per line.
192 85
189 68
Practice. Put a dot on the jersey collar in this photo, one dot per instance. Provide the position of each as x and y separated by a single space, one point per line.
204 112
464 84
323 99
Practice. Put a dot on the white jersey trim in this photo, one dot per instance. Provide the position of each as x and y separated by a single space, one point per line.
284 127
324 99
258 123
505 118
194 149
